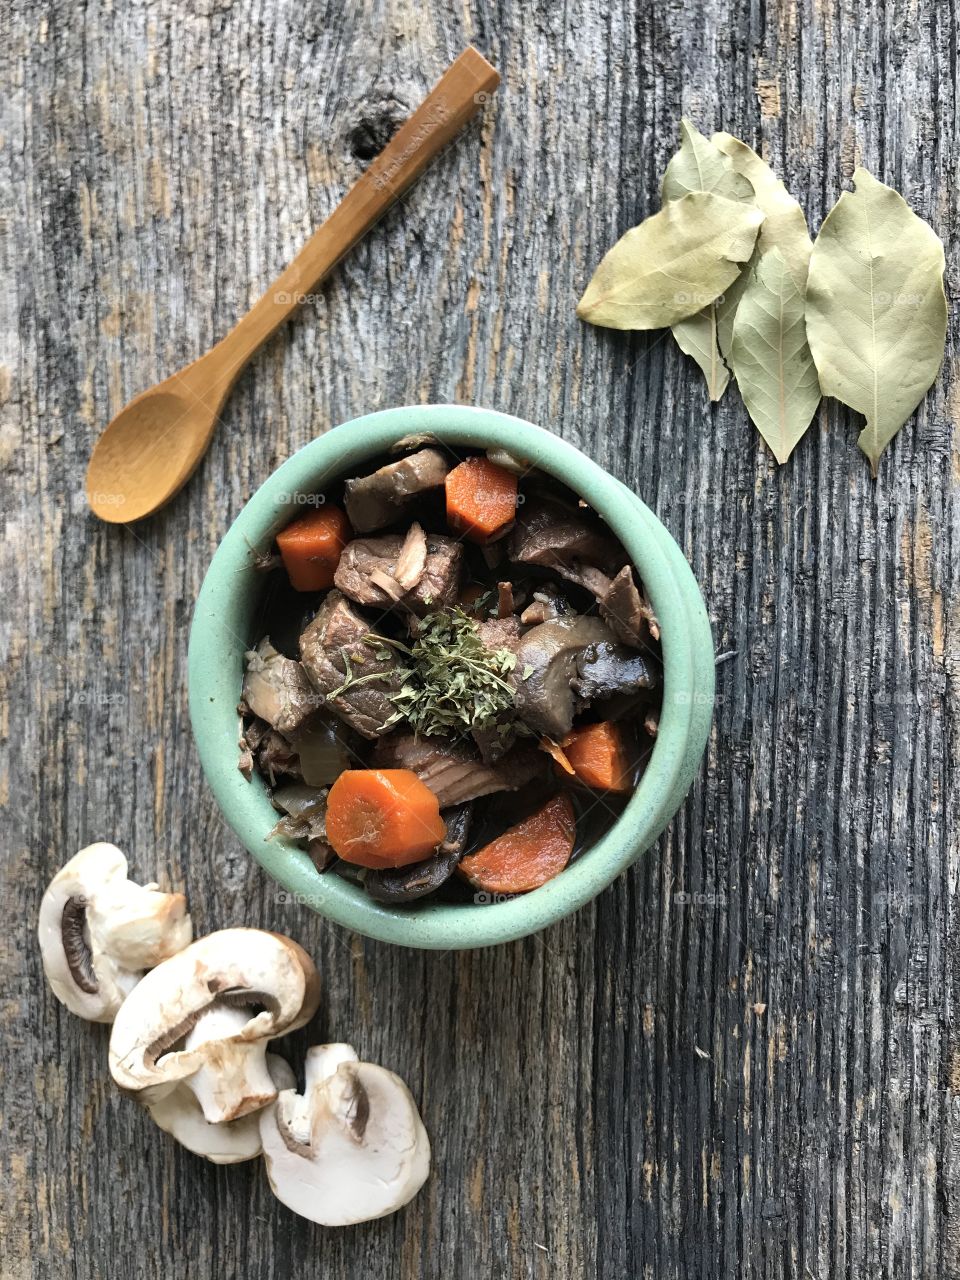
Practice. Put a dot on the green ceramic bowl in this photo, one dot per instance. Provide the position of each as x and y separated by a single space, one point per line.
221 632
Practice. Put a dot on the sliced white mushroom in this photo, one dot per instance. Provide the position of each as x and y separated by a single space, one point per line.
203 1019
181 1115
351 1147
99 931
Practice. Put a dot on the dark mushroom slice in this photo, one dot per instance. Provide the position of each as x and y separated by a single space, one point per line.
377 500
605 669
625 609
351 666
407 884
553 536
564 663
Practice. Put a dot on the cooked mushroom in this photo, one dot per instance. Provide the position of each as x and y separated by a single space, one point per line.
351 1147
565 663
181 1115
99 932
379 499
203 1019
407 884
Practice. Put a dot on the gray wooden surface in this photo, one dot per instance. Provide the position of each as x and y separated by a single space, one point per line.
742 1059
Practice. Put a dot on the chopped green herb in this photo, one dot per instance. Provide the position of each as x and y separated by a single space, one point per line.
453 681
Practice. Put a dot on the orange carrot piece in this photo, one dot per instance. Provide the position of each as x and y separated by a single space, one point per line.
529 854
481 498
383 818
599 756
311 546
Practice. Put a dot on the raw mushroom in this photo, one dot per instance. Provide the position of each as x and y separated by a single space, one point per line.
351 1147
181 1115
203 1020
99 931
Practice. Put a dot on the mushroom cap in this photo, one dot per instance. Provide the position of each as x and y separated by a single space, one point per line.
352 1147
99 931
231 1142
213 988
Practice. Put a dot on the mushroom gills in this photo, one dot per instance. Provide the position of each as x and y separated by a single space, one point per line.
76 945
351 1147
99 932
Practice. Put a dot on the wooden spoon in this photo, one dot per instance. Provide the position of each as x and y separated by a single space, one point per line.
153 445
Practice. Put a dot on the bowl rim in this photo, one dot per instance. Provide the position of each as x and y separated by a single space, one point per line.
225 605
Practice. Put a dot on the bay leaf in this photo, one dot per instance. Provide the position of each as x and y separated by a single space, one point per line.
771 360
876 309
784 223
672 264
784 228
697 338
700 166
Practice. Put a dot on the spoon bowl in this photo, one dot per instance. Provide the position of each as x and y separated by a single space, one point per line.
154 445
147 453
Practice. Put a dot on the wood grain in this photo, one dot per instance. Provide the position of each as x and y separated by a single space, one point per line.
743 1058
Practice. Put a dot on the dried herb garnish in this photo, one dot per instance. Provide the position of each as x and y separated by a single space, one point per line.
452 682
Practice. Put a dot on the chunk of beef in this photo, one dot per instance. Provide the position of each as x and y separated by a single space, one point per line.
366 562
333 646
276 688
276 758
494 741
554 536
374 501
567 663
452 770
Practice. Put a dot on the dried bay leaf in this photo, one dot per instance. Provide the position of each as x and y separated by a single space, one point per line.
697 338
771 360
784 224
876 309
784 228
699 166
672 264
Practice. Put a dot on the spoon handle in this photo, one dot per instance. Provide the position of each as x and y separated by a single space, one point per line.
455 98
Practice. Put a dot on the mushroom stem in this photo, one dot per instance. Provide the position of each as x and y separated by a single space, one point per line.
233 1080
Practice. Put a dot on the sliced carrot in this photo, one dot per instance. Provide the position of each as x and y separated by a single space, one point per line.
481 498
311 546
383 818
529 854
599 756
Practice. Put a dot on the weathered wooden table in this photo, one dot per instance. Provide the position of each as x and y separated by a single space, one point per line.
742 1059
